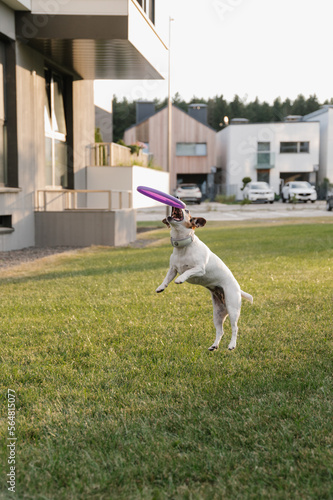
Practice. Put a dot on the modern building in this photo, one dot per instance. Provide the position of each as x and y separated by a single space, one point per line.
324 116
50 53
272 152
192 143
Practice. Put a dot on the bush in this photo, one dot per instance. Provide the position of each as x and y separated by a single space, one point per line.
222 198
245 181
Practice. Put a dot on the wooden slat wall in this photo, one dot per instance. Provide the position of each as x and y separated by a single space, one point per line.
184 129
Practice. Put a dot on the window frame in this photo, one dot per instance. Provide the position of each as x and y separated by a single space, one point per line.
297 147
188 144
56 137
10 123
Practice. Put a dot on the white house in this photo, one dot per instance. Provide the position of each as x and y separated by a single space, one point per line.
271 152
324 116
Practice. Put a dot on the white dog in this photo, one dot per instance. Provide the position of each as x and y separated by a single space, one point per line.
195 263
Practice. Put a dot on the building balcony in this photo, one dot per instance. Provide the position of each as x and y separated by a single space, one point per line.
103 154
264 160
96 39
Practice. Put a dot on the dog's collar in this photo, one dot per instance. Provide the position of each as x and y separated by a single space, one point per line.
185 242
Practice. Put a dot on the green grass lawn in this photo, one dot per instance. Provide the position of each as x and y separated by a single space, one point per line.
118 396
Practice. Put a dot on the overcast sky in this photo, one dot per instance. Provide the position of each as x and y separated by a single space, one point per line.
263 48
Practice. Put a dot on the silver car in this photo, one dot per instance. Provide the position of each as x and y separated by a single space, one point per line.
189 192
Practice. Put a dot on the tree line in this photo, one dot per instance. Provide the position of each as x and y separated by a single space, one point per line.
218 107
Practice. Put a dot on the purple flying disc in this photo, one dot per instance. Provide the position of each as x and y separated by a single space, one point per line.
165 198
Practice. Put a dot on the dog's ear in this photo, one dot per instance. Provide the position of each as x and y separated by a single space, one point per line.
166 223
198 222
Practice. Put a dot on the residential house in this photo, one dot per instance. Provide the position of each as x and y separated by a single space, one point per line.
324 116
272 152
192 142
50 53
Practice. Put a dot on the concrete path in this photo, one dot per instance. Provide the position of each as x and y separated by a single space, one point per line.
218 212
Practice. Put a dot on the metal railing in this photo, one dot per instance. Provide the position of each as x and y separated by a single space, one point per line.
110 154
67 199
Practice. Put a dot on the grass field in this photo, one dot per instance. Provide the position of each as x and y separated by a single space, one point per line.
117 396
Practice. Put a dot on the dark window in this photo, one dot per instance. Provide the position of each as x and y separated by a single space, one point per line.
8 123
3 117
295 147
5 221
288 147
304 147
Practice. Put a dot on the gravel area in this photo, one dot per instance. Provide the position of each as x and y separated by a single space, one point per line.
15 257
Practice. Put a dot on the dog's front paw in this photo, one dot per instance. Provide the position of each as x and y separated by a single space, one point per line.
213 347
232 345
160 289
179 281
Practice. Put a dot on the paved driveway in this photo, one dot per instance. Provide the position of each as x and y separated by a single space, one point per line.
219 212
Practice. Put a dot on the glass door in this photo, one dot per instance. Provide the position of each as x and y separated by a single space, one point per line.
56 165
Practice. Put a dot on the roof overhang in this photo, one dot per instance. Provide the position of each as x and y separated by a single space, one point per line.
95 39
18 5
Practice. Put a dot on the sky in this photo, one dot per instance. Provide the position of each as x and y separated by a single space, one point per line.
252 48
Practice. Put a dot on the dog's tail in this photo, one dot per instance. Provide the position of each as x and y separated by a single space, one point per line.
247 296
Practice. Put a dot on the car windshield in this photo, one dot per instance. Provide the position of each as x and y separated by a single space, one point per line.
188 186
260 185
300 185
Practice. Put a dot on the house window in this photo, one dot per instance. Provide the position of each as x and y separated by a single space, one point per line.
56 165
295 147
5 221
264 153
3 123
304 147
191 149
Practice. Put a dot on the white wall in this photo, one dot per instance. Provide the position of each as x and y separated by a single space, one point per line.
125 179
325 118
237 147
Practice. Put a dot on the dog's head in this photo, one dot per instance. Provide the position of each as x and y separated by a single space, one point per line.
181 218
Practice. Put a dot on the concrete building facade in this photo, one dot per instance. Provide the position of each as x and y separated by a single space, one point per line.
50 53
324 116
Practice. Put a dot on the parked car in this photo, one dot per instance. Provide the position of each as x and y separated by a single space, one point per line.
189 192
329 201
258 191
300 190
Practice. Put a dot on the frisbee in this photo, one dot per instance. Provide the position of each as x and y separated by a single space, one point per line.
165 198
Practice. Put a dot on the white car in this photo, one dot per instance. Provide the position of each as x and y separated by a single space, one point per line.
258 191
299 190
189 192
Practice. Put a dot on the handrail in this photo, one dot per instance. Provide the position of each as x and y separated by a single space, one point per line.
110 154
71 198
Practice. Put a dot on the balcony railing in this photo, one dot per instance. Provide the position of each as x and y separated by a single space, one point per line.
264 160
105 154
54 200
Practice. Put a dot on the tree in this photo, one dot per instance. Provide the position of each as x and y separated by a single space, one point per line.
124 112
124 115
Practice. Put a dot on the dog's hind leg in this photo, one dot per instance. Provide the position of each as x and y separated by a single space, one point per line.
219 315
234 314
233 304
